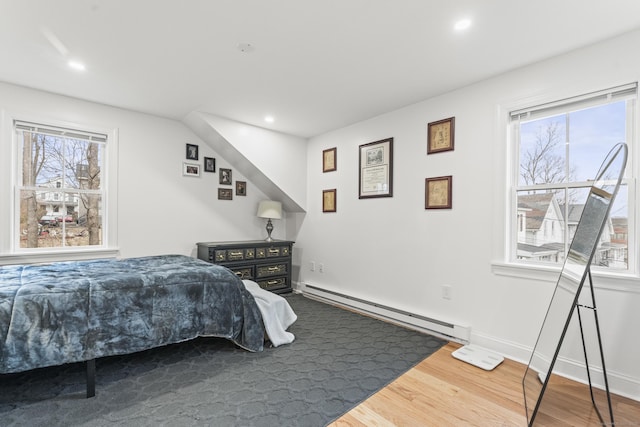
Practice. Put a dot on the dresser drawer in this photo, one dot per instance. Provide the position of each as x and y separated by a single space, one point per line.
230 255
273 284
267 270
243 272
273 252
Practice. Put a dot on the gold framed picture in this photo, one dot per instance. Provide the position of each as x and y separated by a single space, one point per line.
376 169
329 200
437 192
440 135
329 160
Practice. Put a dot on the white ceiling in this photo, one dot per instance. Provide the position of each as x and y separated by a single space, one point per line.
315 65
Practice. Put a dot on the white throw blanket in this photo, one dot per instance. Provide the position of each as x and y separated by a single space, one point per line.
277 314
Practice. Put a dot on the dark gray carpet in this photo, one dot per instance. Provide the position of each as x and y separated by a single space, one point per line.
338 359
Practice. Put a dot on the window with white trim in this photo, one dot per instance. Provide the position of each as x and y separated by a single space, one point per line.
558 150
59 193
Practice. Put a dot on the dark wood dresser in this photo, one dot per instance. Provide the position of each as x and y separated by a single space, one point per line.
266 263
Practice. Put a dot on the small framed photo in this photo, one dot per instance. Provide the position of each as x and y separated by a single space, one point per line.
225 194
241 188
440 135
192 152
437 192
376 169
190 169
329 160
225 176
329 200
209 164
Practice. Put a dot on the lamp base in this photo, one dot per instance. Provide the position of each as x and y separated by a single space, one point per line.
269 230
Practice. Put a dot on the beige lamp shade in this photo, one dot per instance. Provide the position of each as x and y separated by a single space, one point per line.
270 209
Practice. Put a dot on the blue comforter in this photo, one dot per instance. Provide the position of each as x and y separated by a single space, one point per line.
75 311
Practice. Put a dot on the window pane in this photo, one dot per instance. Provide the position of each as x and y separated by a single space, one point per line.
592 133
613 247
54 219
82 160
540 224
542 151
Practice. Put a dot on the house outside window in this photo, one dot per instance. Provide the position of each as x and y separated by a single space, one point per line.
60 194
558 150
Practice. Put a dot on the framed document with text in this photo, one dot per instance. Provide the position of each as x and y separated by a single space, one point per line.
376 169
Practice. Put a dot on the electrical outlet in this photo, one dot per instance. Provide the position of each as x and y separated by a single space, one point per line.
447 291
312 266
321 268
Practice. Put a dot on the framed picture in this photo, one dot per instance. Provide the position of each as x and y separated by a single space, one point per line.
376 169
190 169
241 188
225 176
225 194
437 192
192 152
209 164
440 135
329 200
329 160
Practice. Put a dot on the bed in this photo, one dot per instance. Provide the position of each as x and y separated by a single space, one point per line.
68 312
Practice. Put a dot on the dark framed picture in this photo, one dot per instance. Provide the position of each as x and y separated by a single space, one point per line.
192 152
440 135
225 194
190 169
209 164
437 192
329 160
241 188
225 176
376 169
329 200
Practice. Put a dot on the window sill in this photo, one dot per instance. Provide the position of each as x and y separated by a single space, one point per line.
625 282
57 256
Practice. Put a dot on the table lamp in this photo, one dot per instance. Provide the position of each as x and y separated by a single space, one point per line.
270 210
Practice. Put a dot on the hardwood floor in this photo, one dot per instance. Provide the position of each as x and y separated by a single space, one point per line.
443 391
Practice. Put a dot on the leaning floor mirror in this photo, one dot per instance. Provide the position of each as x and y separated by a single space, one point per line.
567 298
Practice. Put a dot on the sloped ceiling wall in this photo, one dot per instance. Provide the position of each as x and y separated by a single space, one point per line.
274 162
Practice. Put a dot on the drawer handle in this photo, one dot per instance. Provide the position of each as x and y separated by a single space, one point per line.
275 268
272 282
236 253
274 251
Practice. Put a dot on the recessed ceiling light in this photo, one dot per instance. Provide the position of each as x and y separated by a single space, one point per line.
76 65
269 119
462 24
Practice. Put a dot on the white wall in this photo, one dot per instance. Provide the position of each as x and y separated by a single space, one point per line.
159 210
394 252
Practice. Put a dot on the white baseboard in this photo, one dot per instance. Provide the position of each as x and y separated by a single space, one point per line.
619 384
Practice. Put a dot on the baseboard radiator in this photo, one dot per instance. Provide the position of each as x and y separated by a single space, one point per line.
439 328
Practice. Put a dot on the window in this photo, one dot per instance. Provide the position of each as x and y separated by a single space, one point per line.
558 150
60 194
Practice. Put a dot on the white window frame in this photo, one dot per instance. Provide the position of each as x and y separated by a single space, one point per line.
506 262
10 253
